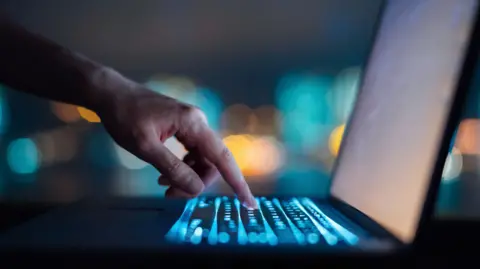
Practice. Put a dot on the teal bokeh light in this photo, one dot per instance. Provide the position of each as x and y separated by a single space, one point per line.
344 93
202 97
304 102
210 103
4 113
23 156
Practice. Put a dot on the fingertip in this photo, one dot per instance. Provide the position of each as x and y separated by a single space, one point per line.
250 203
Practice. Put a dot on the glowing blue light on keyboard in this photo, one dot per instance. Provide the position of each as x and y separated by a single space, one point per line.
330 238
262 238
195 222
269 235
346 234
179 229
197 236
223 237
313 238
299 236
242 234
252 237
213 236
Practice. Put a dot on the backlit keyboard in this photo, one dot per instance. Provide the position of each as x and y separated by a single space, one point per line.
222 220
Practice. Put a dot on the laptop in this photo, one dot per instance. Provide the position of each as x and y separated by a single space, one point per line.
384 184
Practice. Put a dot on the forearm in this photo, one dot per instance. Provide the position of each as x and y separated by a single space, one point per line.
33 64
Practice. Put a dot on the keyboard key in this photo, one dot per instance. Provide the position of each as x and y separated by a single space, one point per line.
222 220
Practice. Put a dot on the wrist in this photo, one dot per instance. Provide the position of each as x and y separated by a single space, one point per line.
106 86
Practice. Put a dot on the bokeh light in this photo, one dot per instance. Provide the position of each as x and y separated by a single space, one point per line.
127 159
306 110
256 156
100 150
453 165
344 92
467 140
185 90
23 156
4 111
135 183
336 139
132 162
237 118
88 115
209 103
175 147
269 120
65 112
57 146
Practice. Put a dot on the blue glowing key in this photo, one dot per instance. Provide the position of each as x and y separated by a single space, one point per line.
252 237
262 238
197 236
223 237
213 236
242 234
313 238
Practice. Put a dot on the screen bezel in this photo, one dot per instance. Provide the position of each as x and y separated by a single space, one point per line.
463 84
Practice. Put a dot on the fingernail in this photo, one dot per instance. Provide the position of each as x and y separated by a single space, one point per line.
250 204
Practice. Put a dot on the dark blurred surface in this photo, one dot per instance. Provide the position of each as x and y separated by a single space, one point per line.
254 67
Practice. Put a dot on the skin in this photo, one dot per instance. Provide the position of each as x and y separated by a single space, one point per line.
137 118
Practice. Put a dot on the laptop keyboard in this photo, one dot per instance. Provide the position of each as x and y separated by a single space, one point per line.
222 220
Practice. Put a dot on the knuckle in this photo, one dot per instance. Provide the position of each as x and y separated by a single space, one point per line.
226 154
194 114
174 169
142 142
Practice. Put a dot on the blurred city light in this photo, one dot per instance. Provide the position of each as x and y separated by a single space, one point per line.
336 139
209 103
236 119
467 140
127 159
175 147
185 90
100 150
344 92
23 156
269 120
132 162
4 111
88 115
65 112
142 182
306 110
256 156
453 165
56 146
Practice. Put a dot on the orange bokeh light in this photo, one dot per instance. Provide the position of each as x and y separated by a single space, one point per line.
255 156
65 112
88 115
467 141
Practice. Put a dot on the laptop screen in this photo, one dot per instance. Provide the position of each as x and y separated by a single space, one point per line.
395 133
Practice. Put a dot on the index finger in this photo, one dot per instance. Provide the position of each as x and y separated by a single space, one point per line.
213 149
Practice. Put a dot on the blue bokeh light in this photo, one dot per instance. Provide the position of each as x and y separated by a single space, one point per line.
304 102
23 156
204 98
4 111
210 103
